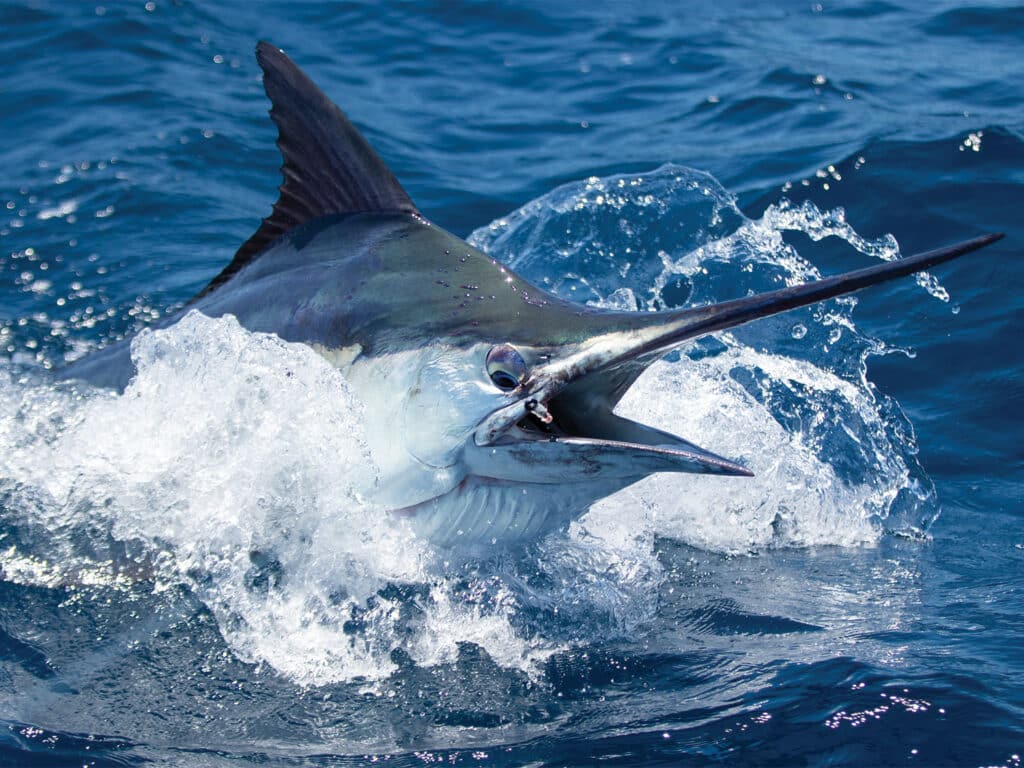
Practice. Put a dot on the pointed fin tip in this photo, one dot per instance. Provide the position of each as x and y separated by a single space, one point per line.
264 48
328 167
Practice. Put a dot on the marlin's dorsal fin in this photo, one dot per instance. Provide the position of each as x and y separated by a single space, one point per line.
328 167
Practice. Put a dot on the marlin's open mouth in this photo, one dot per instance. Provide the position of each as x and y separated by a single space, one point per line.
569 419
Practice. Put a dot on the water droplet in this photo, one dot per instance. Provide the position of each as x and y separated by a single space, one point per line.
799 331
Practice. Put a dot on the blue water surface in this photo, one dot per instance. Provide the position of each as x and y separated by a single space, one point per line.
137 155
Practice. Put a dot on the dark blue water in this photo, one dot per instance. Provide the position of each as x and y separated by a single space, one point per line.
859 603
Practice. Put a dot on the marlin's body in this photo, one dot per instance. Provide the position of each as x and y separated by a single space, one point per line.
488 401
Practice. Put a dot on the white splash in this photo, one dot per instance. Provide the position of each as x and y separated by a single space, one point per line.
235 464
796 498
834 460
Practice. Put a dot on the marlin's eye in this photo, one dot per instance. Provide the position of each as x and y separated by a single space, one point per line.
506 367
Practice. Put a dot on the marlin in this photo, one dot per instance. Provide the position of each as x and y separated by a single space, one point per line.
489 402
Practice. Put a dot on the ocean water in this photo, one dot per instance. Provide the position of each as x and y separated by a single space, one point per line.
191 573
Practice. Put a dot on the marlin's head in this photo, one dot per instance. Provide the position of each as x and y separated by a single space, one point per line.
530 382
522 389
506 386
